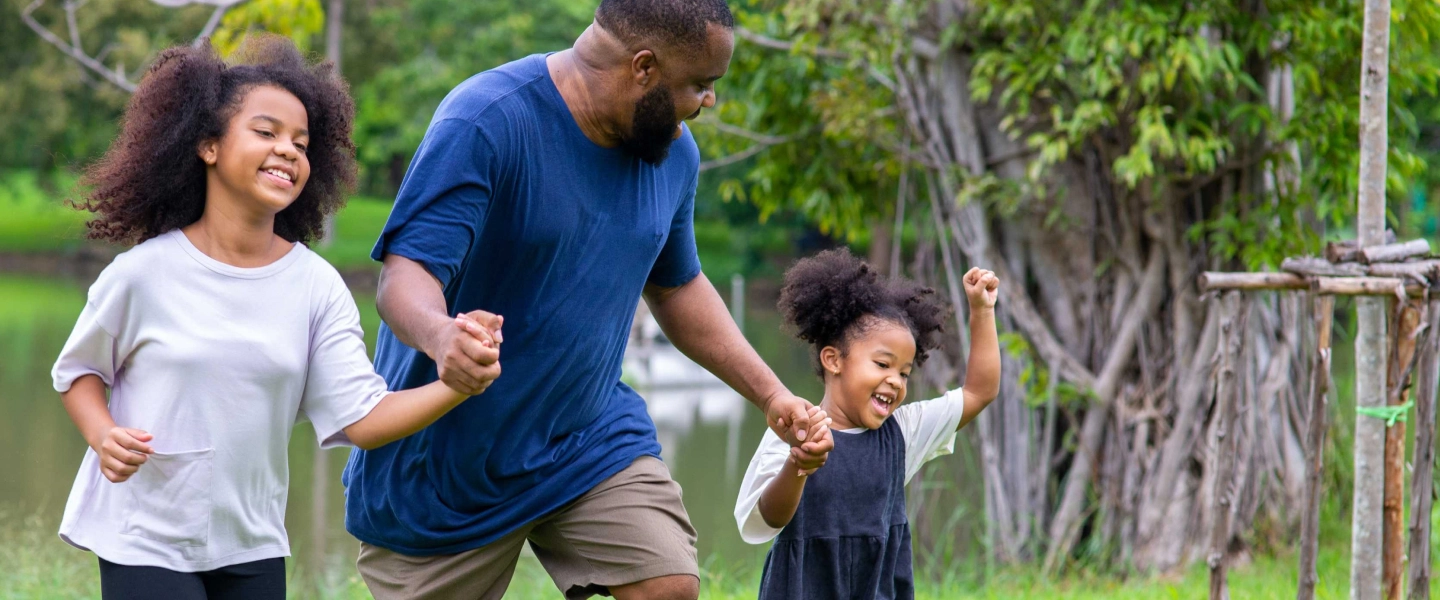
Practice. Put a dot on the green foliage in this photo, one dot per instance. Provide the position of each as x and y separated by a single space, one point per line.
35 220
299 20
55 114
1172 93
413 54
1169 96
831 169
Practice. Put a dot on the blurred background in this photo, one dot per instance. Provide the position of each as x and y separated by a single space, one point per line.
1072 143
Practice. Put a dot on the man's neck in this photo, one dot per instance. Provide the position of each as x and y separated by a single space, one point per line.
580 75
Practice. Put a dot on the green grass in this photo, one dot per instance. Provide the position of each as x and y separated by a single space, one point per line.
39 566
33 217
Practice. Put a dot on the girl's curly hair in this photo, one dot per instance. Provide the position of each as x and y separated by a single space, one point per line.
152 179
833 296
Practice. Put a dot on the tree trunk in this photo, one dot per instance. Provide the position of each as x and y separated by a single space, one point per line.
1422 487
1315 448
1402 354
334 19
1370 344
1227 399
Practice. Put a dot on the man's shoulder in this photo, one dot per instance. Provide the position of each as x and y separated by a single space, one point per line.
477 98
684 153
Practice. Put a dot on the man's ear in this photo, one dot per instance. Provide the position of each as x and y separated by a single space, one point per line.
208 151
830 359
643 68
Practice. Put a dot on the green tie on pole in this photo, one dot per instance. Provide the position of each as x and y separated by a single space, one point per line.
1389 414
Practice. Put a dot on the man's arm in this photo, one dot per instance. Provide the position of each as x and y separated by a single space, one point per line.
695 319
411 301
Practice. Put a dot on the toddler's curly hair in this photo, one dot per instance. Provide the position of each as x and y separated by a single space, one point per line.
832 297
152 179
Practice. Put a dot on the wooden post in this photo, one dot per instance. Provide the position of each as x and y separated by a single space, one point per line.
1315 447
737 300
319 513
1227 392
1370 312
1402 355
1427 381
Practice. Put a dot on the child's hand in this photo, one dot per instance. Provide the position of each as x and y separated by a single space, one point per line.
487 337
982 287
811 455
122 451
490 348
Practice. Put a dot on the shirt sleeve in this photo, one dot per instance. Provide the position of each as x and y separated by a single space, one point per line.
769 458
93 347
679 262
929 429
341 385
443 201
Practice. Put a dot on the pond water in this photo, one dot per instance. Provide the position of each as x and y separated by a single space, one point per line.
707 431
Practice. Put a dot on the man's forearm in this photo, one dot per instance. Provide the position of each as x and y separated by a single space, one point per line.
696 320
412 303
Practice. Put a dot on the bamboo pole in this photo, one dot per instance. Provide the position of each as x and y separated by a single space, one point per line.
1227 392
1394 252
1370 312
1315 447
1422 485
1212 280
1402 355
1315 266
1366 286
1336 286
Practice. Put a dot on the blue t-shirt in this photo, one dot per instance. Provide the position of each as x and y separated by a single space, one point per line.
516 212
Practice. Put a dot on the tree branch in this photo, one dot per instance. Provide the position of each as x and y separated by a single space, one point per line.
116 77
765 41
212 23
762 142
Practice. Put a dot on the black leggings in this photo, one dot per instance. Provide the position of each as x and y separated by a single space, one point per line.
259 580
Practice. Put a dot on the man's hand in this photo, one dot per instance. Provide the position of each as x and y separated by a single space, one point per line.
789 417
467 354
982 287
122 450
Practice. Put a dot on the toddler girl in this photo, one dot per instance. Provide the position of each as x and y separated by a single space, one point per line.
841 531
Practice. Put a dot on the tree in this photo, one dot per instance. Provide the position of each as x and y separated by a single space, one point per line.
1098 156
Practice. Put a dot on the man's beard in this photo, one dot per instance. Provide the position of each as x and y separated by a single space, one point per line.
652 129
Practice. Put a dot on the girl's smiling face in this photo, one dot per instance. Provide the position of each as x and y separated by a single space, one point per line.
866 382
260 160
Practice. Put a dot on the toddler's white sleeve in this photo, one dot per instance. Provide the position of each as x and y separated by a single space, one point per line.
341 385
764 467
929 428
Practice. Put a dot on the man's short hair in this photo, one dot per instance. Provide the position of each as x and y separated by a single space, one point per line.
674 23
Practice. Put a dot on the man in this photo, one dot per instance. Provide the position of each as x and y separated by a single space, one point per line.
554 190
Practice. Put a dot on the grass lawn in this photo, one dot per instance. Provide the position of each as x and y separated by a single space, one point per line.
39 566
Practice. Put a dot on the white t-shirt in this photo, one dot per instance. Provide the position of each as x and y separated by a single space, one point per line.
929 430
218 363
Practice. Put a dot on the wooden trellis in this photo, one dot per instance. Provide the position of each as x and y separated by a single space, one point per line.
1406 274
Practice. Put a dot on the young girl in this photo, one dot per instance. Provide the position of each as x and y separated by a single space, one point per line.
841 532
220 328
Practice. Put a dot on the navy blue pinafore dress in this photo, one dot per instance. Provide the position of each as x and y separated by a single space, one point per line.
849 538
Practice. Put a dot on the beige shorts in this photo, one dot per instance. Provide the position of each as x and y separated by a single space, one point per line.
630 528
